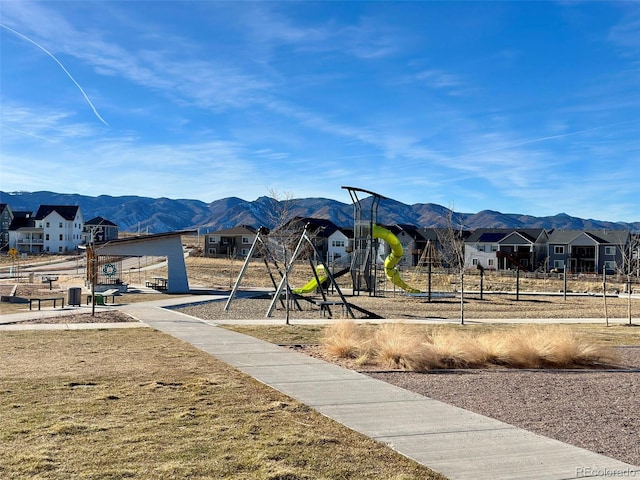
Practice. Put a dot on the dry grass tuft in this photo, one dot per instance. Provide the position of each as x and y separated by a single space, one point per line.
344 339
399 345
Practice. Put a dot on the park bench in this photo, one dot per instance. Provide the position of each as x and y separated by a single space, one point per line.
100 296
326 304
48 299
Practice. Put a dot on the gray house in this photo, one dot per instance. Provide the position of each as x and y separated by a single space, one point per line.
587 251
523 248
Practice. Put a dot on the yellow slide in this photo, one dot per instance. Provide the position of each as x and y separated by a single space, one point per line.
394 257
313 284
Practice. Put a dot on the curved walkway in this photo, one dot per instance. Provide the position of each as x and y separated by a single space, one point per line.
455 442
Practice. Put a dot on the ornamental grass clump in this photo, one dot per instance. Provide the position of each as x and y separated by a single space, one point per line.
398 345
563 348
457 349
345 339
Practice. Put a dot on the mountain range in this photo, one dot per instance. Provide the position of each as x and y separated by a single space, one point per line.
157 215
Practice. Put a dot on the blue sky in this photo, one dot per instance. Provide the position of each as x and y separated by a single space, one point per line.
520 107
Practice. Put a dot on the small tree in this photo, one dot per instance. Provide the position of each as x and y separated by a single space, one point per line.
451 239
628 266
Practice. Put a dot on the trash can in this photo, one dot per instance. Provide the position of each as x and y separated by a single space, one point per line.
74 296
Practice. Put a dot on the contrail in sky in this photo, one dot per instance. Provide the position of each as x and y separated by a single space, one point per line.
24 37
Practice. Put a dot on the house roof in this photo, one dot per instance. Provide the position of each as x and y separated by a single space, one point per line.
100 221
530 235
321 227
68 212
239 230
564 237
22 219
488 235
5 206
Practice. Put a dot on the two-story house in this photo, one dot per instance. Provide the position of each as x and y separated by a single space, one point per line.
231 242
523 248
53 229
481 247
587 251
99 230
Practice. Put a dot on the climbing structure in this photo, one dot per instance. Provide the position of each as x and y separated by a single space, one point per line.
366 232
363 265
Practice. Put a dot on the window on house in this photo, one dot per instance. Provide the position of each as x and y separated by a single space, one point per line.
494 248
490 262
212 251
61 237
245 252
337 243
610 266
48 225
474 262
246 241
610 251
47 236
480 248
558 264
212 240
559 250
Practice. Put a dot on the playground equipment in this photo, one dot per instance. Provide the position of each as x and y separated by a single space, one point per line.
319 278
393 258
321 275
366 231
316 280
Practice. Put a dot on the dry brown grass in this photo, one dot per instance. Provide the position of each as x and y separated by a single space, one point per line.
111 404
398 345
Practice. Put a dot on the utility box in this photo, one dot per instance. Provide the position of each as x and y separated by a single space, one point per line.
74 296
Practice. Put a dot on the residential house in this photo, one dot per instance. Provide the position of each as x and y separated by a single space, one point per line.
522 248
436 248
481 247
412 241
23 234
231 242
100 230
332 242
53 229
587 251
6 217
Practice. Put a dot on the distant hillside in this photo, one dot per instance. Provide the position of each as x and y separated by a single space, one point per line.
156 215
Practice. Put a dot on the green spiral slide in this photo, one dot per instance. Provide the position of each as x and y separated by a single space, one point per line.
394 257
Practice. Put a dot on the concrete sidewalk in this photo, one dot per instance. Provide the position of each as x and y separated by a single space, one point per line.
455 442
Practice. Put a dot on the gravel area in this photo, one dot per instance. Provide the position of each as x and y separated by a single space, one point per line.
494 306
596 410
